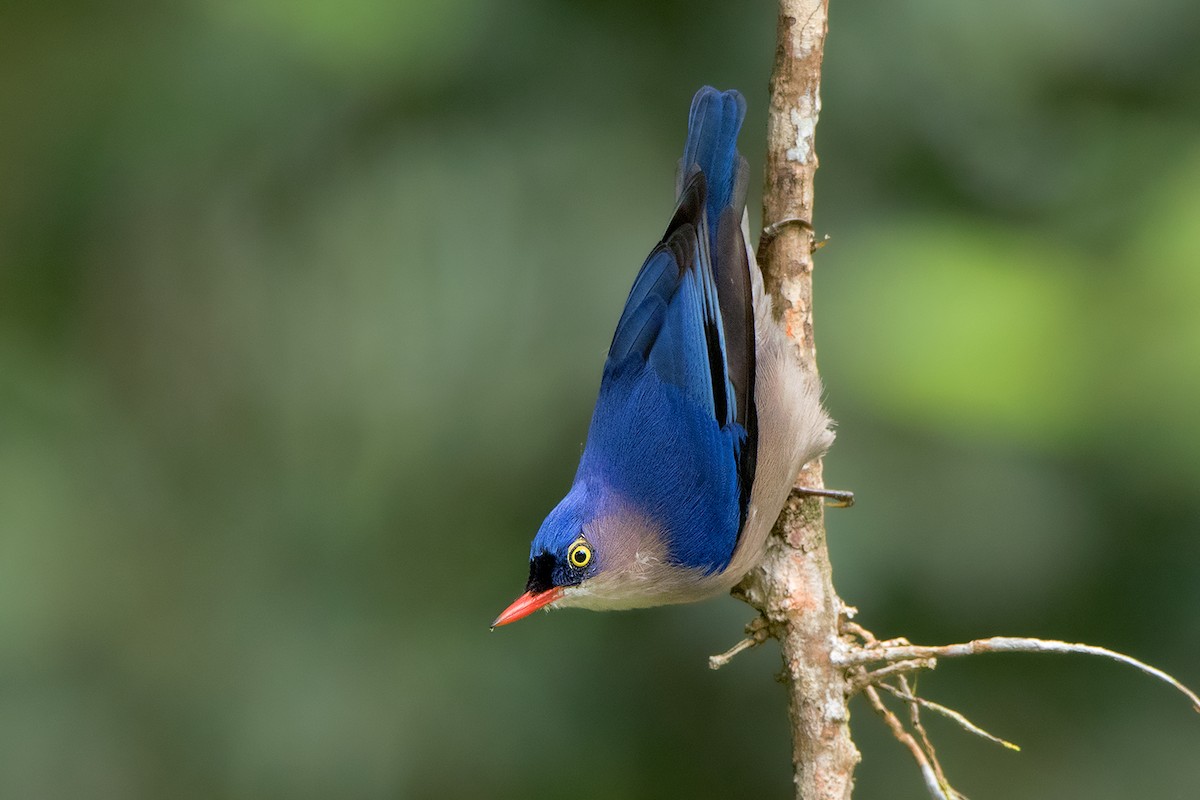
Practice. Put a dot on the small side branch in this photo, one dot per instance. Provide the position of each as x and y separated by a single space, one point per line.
873 665
908 696
757 632
876 677
932 783
892 653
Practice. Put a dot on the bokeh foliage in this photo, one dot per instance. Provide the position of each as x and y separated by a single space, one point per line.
302 310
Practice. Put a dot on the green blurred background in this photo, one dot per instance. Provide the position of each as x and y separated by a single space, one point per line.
302 312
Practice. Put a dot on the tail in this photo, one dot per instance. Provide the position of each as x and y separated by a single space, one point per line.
713 126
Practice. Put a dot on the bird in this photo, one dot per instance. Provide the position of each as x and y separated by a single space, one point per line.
704 417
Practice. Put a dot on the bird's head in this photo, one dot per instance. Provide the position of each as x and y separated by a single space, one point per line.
592 551
561 557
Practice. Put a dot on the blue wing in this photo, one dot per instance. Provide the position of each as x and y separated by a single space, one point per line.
672 318
674 428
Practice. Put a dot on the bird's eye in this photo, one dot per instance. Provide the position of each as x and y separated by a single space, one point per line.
580 554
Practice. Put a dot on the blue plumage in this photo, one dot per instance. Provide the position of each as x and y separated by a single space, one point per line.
663 493
713 126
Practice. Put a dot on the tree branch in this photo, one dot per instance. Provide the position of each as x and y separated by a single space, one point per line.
904 652
932 782
900 657
793 588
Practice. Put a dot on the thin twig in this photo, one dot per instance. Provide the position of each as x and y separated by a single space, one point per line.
908 696
854 629
1006 644
721 659
931 779
834 498
876 677
914 718
757 632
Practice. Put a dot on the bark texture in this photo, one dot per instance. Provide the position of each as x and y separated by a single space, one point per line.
793 588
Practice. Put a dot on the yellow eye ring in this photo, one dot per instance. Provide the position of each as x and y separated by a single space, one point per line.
579 555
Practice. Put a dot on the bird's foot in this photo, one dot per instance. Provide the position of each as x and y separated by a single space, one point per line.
772 231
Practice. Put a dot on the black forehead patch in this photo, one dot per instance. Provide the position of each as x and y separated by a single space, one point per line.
541 573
